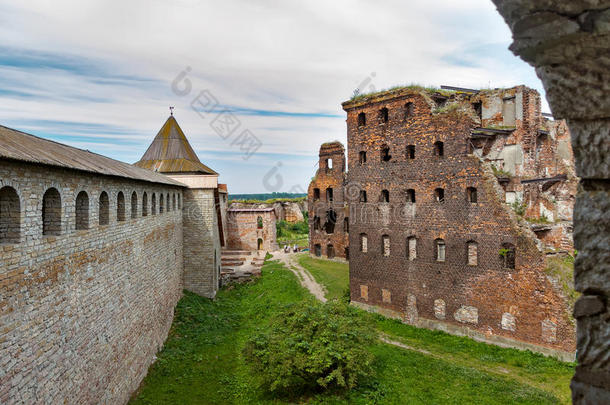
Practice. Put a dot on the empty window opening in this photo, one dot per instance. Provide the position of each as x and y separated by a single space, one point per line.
10 215
410 154
471 194
478 109
439 195
411 196
363 243
439 149
412 248
331 219
385 196
120 206
361 119
362 157
362 195
174 202
179 202
153 204
330 251
507 255
51 212
134 205
409 109
161 203
82 211
144 204
346 253
259 244
167 202
440 250
346 225
384 115
316 194
329 194
259 222
316 223
508 112
317 250
104 209
472 251
385 154
329 164
385 245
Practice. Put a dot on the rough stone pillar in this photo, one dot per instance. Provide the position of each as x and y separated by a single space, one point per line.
568 42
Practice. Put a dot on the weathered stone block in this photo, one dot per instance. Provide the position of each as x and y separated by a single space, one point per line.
467 314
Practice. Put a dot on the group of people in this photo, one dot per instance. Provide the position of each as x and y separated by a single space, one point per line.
294 248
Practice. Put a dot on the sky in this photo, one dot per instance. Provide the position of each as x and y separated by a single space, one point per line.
257 86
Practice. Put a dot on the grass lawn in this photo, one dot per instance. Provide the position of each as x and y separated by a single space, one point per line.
201 362
334 276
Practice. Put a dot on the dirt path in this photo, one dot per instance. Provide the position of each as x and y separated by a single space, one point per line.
305 277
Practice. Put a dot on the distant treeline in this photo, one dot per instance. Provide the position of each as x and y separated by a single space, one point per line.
267 196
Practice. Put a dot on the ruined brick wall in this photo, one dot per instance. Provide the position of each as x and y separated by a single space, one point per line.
201 242
329 217
244 231
84 312
514 306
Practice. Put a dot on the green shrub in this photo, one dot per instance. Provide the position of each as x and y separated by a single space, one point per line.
312 347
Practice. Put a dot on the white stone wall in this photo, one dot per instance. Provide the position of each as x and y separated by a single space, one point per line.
82 314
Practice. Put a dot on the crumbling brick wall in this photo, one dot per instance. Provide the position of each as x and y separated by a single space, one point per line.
247 232
83 312
328 212
490 300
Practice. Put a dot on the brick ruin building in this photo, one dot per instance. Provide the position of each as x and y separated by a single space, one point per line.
439 187
327 206
95 255
251 229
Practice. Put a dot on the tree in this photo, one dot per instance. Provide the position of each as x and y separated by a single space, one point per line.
312 347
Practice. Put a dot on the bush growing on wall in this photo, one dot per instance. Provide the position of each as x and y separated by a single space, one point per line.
312 347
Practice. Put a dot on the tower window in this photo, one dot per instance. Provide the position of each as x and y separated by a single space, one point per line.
316 194
329 194
363 243
385 242
410 152
144 204
329 164
439 149
385 196
153 204
412 248
471 194
331 220
385 154
51 212
362 195
161 203
346 225
409 110
411 195
440 250
362 157
316 223
361 119
439 195
259 222
507 256
384 115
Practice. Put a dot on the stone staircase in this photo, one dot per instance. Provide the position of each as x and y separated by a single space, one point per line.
238 266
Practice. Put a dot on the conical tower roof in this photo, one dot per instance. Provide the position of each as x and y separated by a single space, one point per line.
170 152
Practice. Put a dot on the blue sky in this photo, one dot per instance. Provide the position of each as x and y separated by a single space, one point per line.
98 74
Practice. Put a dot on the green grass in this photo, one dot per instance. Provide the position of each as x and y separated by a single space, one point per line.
334 276
293 233
531 368
201 362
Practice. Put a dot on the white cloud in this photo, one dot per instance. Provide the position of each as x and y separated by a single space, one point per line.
303 57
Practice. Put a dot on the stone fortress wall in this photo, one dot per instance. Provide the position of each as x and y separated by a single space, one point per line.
83 311
251 229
